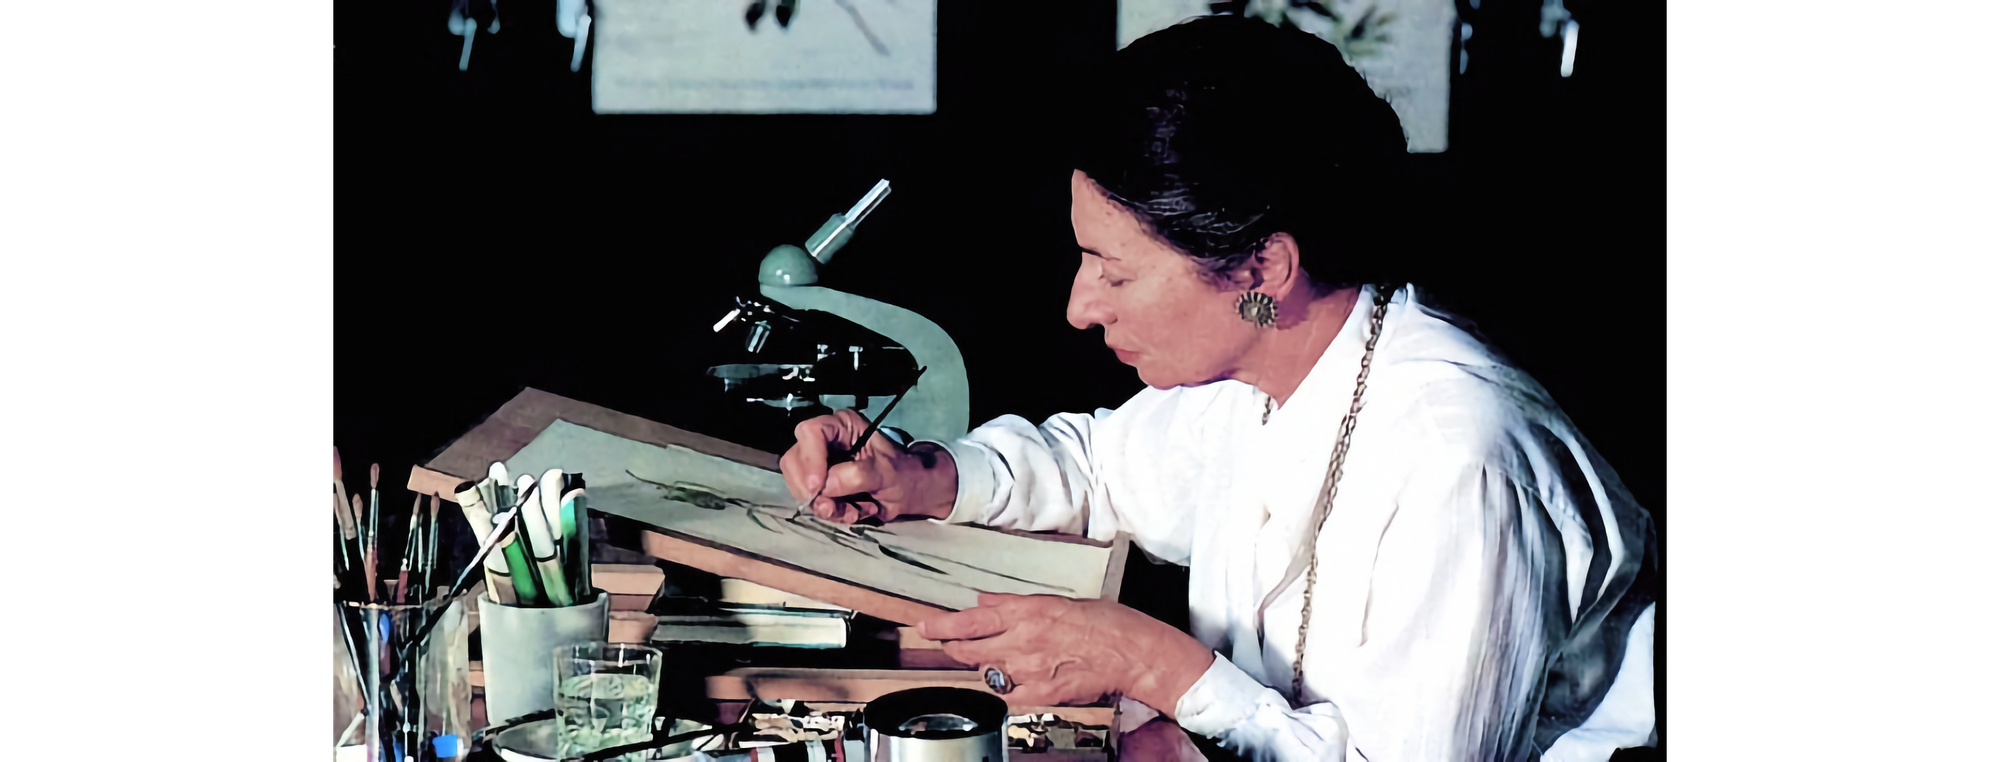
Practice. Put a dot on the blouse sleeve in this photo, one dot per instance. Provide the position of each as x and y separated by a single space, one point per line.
1128 470
1017 475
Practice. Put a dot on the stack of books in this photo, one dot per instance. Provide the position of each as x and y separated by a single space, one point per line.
750 614
744 613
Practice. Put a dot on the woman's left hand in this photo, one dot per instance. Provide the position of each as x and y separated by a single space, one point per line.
1060 650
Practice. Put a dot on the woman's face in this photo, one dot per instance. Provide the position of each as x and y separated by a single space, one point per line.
1159 314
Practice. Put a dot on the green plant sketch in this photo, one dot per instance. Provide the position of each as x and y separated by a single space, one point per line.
860 538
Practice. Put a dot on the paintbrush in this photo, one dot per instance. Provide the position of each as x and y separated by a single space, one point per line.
409 550
431 544
374 515
347 578
367 558
350 559
338 488
836 456
416 550
541 543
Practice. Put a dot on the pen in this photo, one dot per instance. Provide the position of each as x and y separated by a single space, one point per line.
837 456
576 528
527 584
471 502
541 543
551 500
527 589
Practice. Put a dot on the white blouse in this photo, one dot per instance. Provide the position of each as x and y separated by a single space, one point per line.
1485 582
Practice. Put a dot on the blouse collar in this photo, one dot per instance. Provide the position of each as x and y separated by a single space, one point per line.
1328 388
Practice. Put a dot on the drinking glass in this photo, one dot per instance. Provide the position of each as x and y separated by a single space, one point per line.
606 695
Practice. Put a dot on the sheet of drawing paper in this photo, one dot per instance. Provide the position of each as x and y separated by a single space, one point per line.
705 56
734 505
1402 47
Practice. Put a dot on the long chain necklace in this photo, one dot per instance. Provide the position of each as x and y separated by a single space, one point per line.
1332 484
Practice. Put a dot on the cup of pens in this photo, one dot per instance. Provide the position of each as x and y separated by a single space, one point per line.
538 590
406 638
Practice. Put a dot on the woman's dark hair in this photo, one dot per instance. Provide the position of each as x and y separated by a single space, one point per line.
1221 131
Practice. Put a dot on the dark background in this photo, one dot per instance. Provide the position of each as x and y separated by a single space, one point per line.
484 213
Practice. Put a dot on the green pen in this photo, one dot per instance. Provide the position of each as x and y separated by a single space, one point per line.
527 586
527 593
540 542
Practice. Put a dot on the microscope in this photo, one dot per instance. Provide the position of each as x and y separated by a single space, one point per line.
807 350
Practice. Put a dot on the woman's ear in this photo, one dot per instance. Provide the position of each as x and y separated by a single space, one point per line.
1276 267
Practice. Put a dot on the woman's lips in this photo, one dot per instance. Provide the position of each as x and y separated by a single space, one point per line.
1124 356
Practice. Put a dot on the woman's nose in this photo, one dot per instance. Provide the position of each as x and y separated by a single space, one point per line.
1085 308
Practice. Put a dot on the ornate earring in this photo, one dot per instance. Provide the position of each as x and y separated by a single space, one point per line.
1257 309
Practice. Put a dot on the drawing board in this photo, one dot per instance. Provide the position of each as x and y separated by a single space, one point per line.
732 505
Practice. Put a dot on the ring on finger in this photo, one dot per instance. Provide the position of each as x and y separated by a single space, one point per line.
997 679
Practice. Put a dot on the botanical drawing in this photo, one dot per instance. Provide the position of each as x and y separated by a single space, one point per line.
859 538
1357 32
787 8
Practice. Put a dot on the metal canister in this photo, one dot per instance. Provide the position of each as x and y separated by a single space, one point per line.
937 725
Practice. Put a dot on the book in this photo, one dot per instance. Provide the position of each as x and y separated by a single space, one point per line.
743 591
631 602
627 579
631 627
755 627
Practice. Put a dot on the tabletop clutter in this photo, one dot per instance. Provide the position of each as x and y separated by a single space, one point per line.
531 651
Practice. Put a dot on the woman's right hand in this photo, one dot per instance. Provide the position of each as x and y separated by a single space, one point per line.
918 482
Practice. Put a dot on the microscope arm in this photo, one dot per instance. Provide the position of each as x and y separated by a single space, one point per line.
938 408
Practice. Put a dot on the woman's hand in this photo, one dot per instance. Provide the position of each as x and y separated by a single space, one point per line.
1060 650
921 482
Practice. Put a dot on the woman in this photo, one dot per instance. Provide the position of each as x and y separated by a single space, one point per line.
1349 472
